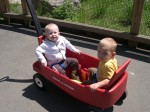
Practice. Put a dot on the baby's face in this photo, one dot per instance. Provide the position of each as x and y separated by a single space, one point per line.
52 33
104 53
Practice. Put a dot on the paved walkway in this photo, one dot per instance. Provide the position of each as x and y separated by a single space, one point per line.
19 94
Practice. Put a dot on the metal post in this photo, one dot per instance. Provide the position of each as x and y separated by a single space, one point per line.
34 17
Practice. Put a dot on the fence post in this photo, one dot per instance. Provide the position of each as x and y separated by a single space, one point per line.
136 19
5 7
24 7
25 11
2 7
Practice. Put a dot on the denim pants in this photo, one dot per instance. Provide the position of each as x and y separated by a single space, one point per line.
92 74
68 63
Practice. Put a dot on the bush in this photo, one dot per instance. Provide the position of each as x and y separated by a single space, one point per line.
65 11
43 8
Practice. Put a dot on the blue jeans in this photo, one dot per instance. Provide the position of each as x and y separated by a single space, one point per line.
70 63
94 78
92 74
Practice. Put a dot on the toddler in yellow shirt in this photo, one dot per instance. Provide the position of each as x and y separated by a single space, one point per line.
99 77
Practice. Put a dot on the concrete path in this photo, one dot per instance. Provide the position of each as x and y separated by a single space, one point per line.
19 94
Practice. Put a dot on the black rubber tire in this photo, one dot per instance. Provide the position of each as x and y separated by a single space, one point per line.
124 95
40 81
91 108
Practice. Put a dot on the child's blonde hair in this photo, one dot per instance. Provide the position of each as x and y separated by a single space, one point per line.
50 25
110 42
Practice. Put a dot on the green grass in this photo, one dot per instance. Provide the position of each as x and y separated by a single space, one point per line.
15 7
145 20
113 14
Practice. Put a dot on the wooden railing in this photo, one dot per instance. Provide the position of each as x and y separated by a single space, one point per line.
132 37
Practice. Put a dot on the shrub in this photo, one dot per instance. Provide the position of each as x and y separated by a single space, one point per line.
65 11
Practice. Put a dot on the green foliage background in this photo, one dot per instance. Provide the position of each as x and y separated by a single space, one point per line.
113 14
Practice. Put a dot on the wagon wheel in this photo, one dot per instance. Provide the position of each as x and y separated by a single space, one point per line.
40 81
91 108
124 95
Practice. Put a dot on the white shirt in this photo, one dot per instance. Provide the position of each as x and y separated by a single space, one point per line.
54 51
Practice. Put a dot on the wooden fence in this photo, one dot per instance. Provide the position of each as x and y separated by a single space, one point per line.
132 37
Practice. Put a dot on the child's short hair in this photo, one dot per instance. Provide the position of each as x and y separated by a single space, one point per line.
109 42
51 25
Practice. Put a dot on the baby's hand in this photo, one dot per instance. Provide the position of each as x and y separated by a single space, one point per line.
78 52
44 63
93 87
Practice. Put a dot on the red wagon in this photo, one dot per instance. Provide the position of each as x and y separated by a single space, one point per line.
101 98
